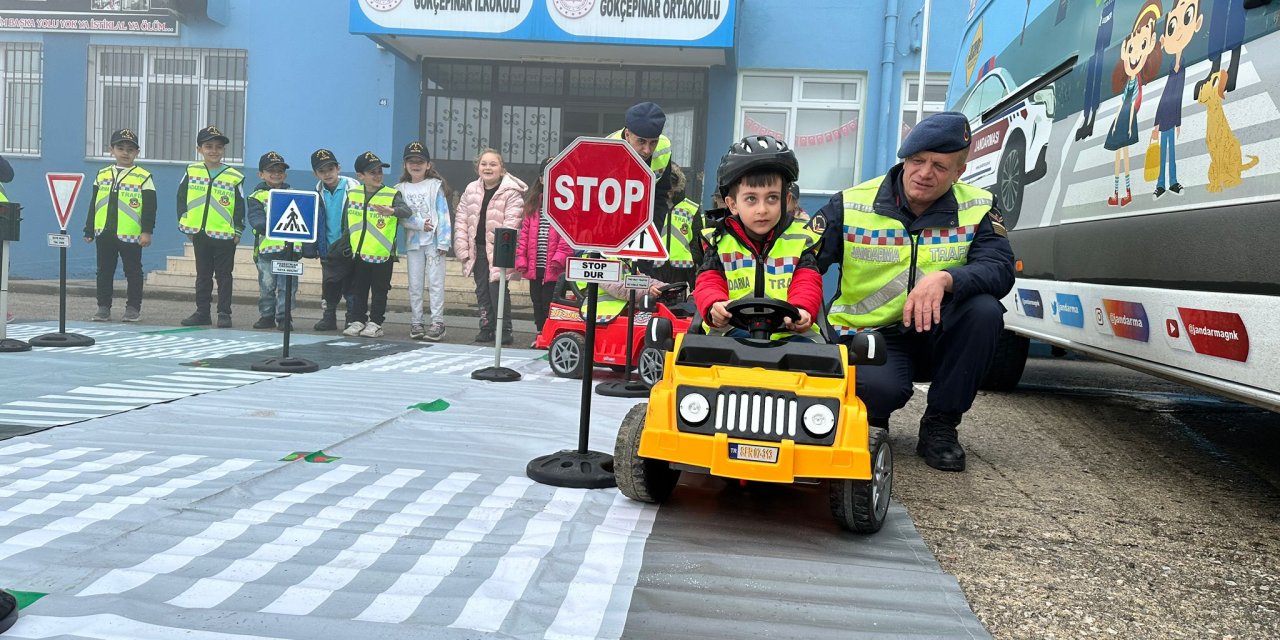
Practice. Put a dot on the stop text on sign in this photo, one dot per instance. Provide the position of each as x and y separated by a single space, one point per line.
594 270
608 195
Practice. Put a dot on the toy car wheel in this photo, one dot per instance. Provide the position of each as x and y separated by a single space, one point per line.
861 505
650 364
567 354
639 478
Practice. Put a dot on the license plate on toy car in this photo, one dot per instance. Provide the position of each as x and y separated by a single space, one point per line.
752 452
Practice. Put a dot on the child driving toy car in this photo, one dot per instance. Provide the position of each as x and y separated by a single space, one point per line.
759 250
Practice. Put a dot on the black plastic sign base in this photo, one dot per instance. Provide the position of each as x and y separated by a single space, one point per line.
9 345
623 389
496 374
285 365
573 469
8 610
62 340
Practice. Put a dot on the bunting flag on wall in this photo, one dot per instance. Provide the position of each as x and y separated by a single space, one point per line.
846 130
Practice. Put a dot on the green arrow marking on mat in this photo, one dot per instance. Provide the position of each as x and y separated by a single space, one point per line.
163 332
321 457
296 455
26 598
434 405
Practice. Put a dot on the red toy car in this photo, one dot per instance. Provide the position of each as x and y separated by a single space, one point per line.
564 335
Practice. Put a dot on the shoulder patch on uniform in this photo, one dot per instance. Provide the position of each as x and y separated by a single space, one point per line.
818 223
997 223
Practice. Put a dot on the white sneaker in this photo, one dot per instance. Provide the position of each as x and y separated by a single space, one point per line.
371 330
353 329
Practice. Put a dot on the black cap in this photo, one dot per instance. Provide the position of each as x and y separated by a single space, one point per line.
322 158
124 135
646 120
416 150
946 132
271 159
369 160
211 133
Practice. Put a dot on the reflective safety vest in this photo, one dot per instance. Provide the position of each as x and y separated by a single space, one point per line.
607 306
211 202
751 275
262 244
661 153
373 235
678 234
883 259
4 197
128 196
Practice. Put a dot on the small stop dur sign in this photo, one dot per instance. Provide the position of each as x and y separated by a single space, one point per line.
598 194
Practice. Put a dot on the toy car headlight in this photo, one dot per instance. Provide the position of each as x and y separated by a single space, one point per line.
819 420
694 408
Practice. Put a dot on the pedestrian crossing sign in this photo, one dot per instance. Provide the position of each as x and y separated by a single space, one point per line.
292 215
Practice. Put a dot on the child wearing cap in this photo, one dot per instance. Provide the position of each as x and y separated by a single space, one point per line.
371 223
335 263
211 212
427 238
273 290
122 217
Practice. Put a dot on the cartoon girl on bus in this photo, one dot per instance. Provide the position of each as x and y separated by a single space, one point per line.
1139 63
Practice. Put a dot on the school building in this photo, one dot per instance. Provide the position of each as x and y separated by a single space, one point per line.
837 79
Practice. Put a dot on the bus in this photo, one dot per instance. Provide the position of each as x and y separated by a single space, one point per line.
1133 148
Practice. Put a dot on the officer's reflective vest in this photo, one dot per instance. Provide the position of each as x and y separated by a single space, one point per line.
678 232
661 153
879 252
4 197
263 244
211 201
373 235
128 195
607 306
750 275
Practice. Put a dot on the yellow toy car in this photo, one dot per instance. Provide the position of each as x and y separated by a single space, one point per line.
762 410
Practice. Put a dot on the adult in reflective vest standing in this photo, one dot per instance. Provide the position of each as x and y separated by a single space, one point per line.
373 212
211 212
121 220
925 260
644 123
678 233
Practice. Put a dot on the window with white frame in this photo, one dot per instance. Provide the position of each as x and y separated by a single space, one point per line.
21 92
935 99
818 114
166 95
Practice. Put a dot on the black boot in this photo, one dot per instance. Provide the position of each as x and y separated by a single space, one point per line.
8 610
328 322
938 442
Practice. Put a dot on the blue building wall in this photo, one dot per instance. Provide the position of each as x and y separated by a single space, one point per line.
310 84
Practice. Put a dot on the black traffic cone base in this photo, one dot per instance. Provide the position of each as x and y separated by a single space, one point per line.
285 365
9 345
496 374
62 340
574 469
623 389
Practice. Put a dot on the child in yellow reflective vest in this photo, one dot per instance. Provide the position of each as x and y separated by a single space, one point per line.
122 215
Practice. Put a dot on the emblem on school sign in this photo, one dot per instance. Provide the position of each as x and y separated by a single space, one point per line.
574 8
382 5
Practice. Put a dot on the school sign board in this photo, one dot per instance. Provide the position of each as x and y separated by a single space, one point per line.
136 17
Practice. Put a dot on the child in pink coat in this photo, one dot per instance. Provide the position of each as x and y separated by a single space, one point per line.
495 199
542 253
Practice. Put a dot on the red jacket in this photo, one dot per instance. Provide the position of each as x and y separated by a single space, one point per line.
805 290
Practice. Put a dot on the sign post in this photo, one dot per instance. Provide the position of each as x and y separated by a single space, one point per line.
292 216
63 189
629 387
599 195
504 257
10 216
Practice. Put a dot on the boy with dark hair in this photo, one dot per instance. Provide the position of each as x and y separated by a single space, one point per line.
373 215
759 250
333 250
121 219
211 212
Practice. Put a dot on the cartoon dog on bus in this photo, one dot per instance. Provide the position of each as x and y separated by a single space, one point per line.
1225 162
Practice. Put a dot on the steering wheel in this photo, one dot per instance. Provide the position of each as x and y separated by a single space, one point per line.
673 292
761 317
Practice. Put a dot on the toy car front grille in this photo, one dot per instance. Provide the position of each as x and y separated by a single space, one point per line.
751 414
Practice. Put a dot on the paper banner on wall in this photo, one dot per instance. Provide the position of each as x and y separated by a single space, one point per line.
846 130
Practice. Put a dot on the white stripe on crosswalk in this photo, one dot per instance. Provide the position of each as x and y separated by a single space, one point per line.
217 534
96 408
20 448
404 597
207 593
489 606
30 462
105 626
304 597
51 414
124 393
35 506
583 610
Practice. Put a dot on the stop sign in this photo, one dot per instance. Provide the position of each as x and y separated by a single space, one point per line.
598 193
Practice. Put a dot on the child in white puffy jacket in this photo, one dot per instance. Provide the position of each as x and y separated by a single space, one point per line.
427 238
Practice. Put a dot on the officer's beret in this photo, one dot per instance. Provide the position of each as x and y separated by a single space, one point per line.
646 120
945 132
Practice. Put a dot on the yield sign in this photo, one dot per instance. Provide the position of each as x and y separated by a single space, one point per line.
647 245
63 189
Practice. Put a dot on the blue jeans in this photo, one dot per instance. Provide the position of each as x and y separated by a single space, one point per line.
271 289
739 333
1169 156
